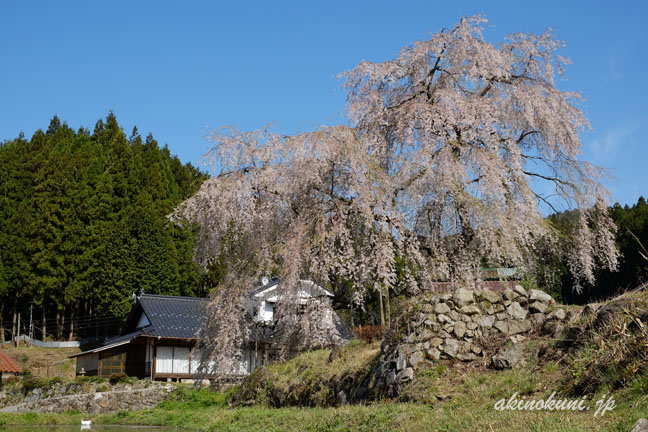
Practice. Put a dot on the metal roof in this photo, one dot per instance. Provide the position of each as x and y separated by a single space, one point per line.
312 288
168 316
272 282
111 343
173 316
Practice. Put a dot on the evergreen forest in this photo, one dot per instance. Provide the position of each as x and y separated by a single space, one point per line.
83 226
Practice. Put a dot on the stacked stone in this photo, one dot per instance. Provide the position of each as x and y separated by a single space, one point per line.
455 325
89 398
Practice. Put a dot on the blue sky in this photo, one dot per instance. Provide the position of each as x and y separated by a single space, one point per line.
178 68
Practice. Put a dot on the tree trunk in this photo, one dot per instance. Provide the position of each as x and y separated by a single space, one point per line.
2 338
44 329
58 325
387 304
13 325
71 324
62 325
382 311
18 331
387 308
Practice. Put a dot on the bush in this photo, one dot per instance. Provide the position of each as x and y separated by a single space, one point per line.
118 378
30 383
89 379
103 388
10 381
53 381
609 351
369 333
195 398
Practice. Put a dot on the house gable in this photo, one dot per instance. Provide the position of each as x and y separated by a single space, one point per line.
143 321
263 299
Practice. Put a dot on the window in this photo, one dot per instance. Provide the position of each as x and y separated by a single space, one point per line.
172 360
267 311
111 362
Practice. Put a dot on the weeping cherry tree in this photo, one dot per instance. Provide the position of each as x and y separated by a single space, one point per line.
453 151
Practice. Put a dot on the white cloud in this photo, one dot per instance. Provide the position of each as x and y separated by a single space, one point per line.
605 149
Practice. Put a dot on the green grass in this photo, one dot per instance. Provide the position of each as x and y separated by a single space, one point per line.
444 398
306 380
451 415
315 365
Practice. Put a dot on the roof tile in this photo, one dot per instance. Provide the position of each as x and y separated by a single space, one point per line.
174 317
7 364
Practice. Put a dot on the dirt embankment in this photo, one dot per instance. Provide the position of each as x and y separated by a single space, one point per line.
592 347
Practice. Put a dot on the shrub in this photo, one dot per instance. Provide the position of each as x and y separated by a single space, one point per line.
10 381
31 382
195 398
53 381
117 378
89 380
369 333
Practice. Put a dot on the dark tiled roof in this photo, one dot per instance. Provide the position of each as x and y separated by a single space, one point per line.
110 343
7 364
172 316
123 338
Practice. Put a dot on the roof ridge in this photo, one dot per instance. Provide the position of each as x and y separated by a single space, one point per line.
172 297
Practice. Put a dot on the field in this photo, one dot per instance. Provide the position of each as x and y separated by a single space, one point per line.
44 362
605 360
444 398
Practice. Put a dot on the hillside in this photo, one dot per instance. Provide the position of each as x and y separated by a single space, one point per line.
83 226
591 353
595 354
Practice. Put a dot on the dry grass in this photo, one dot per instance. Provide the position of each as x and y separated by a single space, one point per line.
445 397
315 365
44 362
369 333
611 351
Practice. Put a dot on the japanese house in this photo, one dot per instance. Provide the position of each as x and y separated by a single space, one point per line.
160 333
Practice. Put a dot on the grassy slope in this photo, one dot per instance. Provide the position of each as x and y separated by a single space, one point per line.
444 396
451 415
36 360
447 398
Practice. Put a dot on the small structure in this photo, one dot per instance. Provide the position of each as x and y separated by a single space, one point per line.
7 366
156 341
160 333
262 300
310 323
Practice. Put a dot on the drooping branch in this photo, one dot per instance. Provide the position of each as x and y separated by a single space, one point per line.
436 167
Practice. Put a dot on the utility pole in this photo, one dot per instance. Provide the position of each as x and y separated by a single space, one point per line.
18 332
31 324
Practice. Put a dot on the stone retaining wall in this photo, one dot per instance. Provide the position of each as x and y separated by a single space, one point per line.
87 398
460 325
